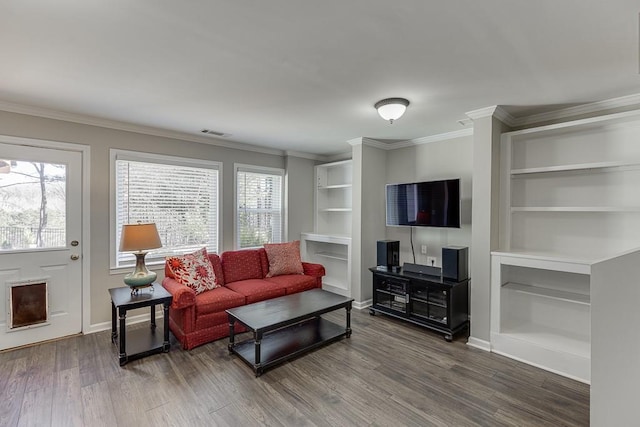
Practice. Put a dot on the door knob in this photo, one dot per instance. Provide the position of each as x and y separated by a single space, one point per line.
75 257
74 243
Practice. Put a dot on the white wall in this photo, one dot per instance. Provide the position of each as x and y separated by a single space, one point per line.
371 220
101 140
451 158
485 217
299 196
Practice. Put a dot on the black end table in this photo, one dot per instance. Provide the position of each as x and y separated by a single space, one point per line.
142 342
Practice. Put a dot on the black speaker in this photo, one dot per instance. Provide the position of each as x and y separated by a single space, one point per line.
455 263
388 253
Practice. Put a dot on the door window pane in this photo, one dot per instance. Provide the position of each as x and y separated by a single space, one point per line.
32 205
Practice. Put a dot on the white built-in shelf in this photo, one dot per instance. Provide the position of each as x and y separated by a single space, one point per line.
548 293
557 340
327 238
335 186
575 209
548 260
336 210
333 255
574 167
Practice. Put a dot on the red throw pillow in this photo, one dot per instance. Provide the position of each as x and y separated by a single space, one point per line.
284 258
193 270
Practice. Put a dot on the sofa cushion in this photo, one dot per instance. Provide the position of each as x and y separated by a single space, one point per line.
264 262
294 283
217 268
256 290
284 258
241 265
218 299
193 270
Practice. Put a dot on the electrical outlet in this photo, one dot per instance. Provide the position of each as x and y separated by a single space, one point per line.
431 261
423 249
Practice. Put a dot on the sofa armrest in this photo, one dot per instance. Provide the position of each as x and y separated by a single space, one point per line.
311 269
183 296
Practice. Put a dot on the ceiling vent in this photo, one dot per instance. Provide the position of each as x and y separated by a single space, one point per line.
215 133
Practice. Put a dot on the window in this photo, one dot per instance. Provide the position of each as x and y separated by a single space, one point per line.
180 195
258 205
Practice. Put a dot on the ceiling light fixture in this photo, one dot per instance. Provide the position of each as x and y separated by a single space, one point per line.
391 108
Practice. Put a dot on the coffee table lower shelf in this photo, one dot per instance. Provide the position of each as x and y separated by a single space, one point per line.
289 342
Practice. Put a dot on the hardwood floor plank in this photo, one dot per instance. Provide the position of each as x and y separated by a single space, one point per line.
97 409
12 393
231 416
36 408
67 354
41 366
127 397
90 364
66 407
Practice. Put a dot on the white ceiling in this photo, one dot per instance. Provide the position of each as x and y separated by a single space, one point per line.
304 75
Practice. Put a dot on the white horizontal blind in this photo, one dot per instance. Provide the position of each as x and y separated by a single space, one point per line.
259 206
181 200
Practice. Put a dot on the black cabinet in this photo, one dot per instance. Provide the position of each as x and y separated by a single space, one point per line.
429 301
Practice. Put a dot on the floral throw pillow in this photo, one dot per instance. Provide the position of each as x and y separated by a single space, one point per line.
284 258
193 270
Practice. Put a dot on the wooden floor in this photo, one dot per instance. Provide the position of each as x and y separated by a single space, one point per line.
387 374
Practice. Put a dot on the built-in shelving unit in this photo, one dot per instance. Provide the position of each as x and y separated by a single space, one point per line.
569 199
330 242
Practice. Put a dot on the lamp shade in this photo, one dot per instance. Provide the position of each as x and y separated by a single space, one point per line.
139 237
391 108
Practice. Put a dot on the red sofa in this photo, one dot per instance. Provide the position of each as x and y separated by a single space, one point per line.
199 319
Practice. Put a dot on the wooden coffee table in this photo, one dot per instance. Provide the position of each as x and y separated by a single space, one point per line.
286 327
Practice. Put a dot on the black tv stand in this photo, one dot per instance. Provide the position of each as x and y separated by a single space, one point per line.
430 301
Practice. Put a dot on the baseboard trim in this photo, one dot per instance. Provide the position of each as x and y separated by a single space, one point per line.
132 320
359 305
479 344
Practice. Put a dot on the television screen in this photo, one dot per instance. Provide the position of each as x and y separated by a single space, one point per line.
424 204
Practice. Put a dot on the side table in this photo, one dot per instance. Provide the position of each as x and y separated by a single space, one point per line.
142 342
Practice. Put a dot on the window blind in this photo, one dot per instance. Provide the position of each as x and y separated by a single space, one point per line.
181 200
259 207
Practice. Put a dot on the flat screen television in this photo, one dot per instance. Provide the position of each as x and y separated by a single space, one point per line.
424 204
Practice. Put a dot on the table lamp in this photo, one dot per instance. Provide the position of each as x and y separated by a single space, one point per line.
139 238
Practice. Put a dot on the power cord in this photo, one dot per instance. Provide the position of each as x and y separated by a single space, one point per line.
412 250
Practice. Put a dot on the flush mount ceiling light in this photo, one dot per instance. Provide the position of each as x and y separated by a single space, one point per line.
391 108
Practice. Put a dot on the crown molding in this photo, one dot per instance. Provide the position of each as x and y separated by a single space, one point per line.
434 138
370 142
503 116
411 142
130 127
308 156
555 115
492 111
481 112
578 110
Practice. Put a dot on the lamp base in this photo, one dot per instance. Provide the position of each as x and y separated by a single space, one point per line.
135 290
140 277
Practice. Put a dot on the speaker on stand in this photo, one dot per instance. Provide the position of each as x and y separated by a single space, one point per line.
388 253
455 263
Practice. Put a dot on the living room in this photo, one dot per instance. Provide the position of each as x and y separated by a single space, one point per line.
39 110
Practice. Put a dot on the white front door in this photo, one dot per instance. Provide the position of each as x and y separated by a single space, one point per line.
40 243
